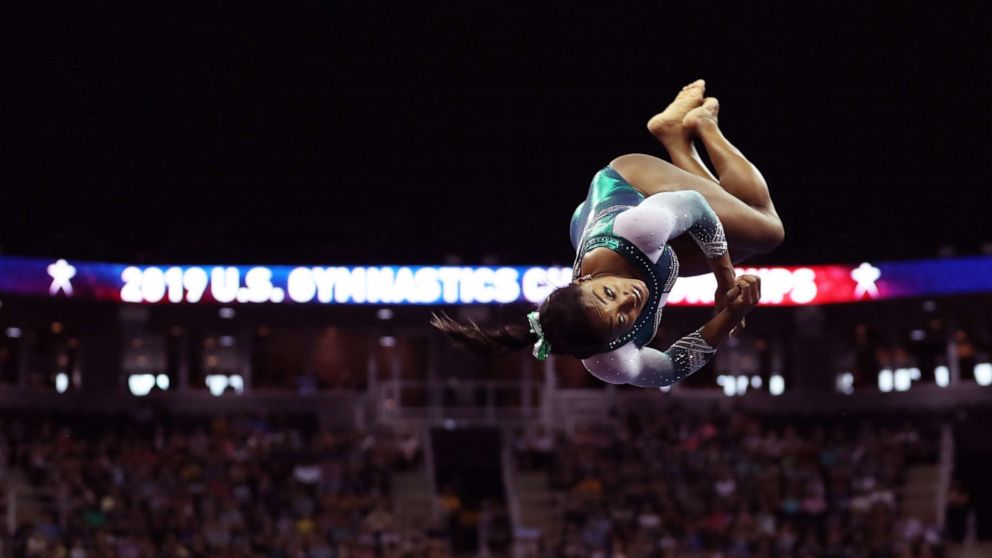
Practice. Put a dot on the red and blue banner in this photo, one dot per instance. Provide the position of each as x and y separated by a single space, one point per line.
205 284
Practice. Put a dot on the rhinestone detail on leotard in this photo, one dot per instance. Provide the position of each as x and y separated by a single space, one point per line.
713 242
690 353
603 213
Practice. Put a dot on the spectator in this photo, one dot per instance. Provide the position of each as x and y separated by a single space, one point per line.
230 488
734 486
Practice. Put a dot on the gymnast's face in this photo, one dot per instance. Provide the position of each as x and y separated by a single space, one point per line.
614 302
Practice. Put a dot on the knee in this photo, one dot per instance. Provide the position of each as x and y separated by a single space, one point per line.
774 235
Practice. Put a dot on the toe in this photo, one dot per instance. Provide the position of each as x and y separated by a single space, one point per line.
696 85
694 89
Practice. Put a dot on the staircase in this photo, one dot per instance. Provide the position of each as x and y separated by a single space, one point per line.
413 499
969 550
578 407
24 504
537 506
922 492
414 491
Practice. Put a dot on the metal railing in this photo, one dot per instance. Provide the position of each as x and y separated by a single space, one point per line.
510 487
334 406
488 401
23 502
946 472
427 443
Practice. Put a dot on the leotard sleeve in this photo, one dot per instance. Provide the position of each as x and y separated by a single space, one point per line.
649 367
663 216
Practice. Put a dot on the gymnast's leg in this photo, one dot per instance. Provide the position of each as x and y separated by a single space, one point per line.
737 175
740 197
667 128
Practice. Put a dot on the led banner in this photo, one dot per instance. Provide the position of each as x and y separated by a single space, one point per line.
781 286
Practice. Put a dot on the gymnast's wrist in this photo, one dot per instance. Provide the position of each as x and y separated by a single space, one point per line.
724 272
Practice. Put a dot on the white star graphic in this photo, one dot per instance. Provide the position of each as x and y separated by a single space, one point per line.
61 273
866 275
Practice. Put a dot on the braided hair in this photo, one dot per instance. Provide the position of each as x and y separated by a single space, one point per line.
565 319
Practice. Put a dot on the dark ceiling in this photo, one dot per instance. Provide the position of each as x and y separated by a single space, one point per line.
366 132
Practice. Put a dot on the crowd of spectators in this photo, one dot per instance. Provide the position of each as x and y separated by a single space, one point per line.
220 488
734 487
727 485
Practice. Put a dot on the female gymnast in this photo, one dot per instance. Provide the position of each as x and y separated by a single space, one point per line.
630 242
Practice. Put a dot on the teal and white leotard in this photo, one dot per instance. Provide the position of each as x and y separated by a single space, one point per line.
617 216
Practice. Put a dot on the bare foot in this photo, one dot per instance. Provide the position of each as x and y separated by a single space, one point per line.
703 116
667 125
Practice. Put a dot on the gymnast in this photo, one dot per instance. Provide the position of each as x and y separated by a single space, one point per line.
643 223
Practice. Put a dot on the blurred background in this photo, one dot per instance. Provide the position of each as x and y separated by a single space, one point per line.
223 228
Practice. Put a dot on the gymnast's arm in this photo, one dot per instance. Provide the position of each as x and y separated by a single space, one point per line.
667 215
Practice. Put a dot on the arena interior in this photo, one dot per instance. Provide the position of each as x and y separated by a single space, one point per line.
225 229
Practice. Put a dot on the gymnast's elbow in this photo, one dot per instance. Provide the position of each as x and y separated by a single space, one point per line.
650 381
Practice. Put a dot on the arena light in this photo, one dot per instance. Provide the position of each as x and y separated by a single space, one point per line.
226 341
756 382
942 376
885 380
742 385
387 341
13 332
901 379
728 384
61 382
140 384
733 385
216 384
776 385
384 314
983 374
845 383
162 381
226 313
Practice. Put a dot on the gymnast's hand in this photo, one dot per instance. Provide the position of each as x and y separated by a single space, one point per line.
742 298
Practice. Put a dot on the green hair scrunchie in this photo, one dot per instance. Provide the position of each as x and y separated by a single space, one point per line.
542 348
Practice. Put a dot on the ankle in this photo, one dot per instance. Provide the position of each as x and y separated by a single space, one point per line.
706 127
676 143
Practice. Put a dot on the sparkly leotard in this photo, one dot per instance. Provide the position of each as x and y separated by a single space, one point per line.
617 216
